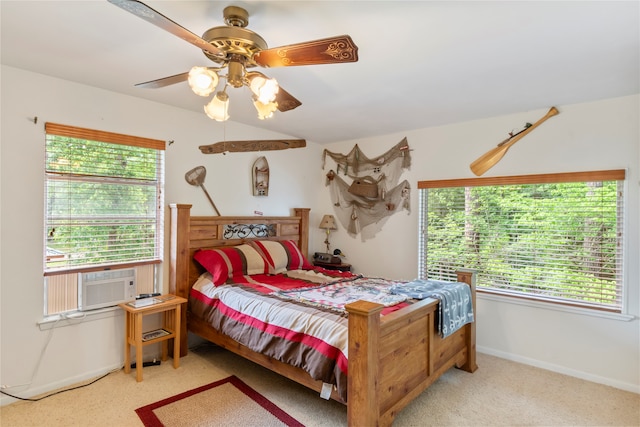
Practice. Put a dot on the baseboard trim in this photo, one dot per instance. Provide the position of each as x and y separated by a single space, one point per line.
29 393
634 388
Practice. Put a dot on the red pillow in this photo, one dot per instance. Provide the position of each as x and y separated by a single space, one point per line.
226 263
281 255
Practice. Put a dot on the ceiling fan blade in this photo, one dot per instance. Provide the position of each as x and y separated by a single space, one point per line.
324 51
286 101
165 81
145 12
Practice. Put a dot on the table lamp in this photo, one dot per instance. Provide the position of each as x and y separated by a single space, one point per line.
328 223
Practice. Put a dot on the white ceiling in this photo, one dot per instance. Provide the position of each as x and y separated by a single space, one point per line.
421 63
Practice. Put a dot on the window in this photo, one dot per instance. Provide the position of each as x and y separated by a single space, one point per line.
103 207
557 238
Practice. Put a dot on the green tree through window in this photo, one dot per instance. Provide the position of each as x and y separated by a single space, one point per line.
104 203
550 237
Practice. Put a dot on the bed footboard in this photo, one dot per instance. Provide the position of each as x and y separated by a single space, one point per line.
392 359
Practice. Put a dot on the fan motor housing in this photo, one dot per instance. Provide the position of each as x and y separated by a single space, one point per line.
234 40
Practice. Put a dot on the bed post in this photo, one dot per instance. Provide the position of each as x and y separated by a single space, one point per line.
179 263
469 276
364 330
303 243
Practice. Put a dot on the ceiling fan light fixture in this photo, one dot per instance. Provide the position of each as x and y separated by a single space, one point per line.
237 48
218 108
265 111
203 81
264 88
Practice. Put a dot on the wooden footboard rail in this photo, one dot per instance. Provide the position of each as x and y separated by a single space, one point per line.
392 359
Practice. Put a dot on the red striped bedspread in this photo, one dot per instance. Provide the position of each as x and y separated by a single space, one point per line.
272 315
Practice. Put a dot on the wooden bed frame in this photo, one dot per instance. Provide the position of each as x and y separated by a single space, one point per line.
392 359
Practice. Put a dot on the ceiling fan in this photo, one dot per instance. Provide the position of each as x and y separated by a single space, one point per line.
237 49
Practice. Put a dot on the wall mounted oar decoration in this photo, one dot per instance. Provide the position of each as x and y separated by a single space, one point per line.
196 177
490 158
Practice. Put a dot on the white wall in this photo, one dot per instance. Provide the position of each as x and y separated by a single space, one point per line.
593 136
90 348
601 135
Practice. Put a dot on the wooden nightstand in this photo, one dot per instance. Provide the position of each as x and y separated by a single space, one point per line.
170 306
341 267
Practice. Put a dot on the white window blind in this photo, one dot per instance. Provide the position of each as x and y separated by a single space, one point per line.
104 199
557 237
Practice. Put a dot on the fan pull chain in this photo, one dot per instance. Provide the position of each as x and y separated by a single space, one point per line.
224 137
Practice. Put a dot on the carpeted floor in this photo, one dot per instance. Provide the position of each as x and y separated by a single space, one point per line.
499 393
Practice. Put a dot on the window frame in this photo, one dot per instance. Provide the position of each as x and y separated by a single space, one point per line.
60 130
591 176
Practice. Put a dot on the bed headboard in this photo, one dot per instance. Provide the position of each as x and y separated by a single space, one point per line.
190 233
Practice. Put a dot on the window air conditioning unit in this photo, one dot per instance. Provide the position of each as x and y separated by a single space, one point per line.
106 288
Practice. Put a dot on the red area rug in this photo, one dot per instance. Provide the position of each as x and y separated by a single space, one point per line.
225 402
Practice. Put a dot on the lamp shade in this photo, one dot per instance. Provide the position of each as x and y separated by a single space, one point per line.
203 81
264 88
265 111
218 107
328 223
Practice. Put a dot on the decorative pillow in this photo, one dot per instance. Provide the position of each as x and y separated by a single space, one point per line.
281 255
226 263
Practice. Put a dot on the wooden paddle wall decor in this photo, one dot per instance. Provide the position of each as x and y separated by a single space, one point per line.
493 156
256 145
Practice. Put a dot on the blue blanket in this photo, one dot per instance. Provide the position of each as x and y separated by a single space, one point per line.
456 307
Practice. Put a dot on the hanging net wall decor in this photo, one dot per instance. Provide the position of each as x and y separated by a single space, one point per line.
370 191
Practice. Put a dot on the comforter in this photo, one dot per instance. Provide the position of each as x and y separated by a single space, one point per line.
296 317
